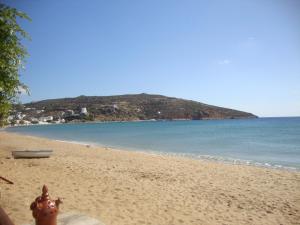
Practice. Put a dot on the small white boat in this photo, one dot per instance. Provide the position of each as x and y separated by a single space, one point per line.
32 154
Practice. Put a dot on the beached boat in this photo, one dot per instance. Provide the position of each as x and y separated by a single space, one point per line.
32 154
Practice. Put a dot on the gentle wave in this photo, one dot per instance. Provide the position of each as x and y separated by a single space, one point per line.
231 161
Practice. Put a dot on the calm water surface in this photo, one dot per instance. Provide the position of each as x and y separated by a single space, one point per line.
266 141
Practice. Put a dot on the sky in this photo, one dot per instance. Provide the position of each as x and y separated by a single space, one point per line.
238 54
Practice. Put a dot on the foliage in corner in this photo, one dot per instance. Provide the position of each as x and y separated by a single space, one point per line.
12 58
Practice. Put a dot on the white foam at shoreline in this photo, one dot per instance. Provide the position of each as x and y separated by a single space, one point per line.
226 160
77 142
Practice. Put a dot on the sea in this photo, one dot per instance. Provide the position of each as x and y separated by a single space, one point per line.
266 142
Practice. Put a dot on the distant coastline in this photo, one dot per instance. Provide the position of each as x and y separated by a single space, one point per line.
140 107
124 121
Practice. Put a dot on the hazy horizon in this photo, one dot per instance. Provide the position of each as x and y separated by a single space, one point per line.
243 55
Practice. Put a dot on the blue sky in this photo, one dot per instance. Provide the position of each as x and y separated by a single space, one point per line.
239 54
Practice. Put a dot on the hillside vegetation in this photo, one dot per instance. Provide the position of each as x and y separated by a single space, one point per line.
136 107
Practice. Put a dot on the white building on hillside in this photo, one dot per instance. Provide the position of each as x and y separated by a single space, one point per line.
46 118
84 111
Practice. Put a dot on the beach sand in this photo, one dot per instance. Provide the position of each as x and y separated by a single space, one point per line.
123 187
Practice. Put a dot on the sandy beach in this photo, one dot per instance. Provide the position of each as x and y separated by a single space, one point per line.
125 188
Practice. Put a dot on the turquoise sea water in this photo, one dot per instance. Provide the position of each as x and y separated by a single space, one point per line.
273 142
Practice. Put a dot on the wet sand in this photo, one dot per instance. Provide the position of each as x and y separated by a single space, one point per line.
121 187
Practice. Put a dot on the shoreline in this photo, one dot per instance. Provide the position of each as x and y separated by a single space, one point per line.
129 121
209 158
127 187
